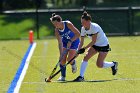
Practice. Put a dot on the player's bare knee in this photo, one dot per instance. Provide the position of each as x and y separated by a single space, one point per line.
63 62
85 58
71 61
99 65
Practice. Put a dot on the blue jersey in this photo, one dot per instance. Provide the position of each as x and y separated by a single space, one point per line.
66 35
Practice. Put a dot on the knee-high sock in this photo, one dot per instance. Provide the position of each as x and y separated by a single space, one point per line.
63 70
108 64
73 62
83 68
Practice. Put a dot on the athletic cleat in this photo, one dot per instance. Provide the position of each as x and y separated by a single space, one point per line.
79 79
74 68
114 68
61 78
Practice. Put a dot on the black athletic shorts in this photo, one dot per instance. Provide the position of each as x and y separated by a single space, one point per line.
102 48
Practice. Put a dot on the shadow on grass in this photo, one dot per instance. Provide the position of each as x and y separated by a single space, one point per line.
94 81
20 23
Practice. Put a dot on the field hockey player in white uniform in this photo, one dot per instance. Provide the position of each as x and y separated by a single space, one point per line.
99 44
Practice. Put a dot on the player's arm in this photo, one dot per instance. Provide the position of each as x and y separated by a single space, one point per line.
94 37
81 42
74 30
59 39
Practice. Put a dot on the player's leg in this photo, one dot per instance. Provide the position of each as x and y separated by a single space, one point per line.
62 67
104 64
90 53
71 54
100 60
84 64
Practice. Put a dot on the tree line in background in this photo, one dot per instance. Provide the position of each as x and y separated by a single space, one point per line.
29 4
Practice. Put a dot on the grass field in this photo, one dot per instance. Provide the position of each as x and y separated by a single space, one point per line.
125 50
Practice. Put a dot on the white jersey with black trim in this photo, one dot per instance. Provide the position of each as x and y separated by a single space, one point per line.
95 28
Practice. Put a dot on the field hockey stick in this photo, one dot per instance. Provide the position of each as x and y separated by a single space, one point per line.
61 57
49 79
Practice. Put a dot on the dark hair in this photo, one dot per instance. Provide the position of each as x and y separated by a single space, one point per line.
86 16
56 17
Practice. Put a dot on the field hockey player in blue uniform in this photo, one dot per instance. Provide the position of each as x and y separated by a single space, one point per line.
68 38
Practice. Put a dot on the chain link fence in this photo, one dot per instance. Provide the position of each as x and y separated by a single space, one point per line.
113 20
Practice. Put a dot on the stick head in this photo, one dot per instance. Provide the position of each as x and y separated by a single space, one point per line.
47 80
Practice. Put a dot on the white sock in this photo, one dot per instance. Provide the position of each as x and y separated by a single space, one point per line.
108 64
83 68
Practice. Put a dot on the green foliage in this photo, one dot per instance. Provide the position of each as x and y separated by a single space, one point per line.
16 4
22 4
30 4
136 21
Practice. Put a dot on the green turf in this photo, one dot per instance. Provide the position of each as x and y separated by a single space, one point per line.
11 53
125 50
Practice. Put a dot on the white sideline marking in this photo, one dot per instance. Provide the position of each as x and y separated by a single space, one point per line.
24 69
16 83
